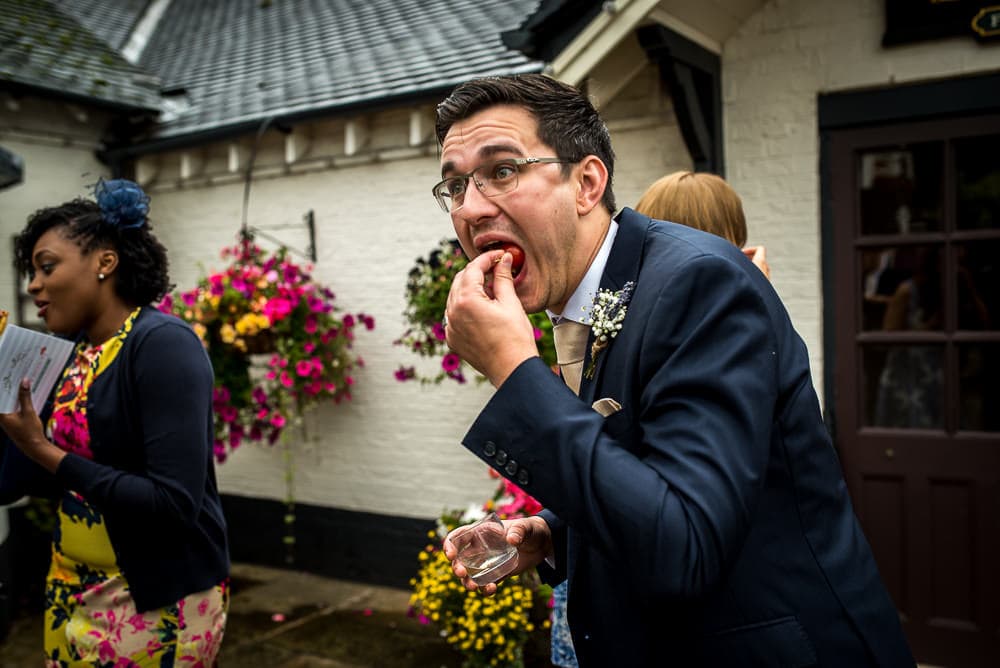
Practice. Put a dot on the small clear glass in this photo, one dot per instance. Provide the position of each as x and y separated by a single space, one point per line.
484 551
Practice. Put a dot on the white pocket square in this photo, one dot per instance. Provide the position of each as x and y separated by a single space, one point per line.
606 406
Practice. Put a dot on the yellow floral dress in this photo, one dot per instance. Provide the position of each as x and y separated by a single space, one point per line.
90 618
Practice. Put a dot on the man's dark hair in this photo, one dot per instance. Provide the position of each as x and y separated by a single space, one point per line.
142 275
567 121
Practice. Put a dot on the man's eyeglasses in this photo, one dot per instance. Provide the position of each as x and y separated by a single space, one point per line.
492 179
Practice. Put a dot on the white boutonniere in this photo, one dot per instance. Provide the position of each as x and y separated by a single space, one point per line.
607 315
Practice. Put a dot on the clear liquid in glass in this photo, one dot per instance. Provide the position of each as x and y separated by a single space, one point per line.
486 566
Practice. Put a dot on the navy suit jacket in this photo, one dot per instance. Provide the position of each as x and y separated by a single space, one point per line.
706 522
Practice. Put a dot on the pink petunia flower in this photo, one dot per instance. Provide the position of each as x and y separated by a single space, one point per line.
450 362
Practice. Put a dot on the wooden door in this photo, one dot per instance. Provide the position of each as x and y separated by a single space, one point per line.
916 265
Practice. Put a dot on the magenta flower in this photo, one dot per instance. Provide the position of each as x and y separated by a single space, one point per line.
277 309
216 285
437 329
303 368
450 362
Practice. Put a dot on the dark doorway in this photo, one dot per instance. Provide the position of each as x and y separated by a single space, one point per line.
912 284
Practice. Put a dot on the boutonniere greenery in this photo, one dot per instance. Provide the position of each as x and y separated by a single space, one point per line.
607 315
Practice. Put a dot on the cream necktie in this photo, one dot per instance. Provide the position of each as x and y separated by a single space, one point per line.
571 347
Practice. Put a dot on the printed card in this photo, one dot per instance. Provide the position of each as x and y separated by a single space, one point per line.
25 353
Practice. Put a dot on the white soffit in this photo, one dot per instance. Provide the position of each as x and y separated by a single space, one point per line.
708 23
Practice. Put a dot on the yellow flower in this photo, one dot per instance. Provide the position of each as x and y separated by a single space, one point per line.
227 333
247 325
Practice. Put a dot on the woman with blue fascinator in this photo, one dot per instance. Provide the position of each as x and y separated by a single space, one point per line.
140 563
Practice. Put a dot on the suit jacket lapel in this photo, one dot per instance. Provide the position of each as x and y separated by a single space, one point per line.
623 266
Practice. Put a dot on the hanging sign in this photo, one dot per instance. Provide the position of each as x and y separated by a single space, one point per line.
917 20
987 22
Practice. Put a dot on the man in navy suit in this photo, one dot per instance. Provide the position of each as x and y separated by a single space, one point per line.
693 497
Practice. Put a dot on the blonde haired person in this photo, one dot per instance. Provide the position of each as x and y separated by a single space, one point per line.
705 202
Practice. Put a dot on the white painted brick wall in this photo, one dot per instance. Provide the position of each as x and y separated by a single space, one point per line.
59 164
773 68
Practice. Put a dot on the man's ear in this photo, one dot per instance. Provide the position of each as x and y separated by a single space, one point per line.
592 178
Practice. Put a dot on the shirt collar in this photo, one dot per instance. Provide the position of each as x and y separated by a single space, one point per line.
582 300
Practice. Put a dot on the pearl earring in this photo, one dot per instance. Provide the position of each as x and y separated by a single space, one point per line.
100 276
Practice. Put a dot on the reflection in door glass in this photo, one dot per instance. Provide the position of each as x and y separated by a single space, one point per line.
978 182
979 387
901 189
977 282
904 386
902 288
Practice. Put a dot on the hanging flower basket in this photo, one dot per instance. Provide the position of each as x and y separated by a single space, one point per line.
277 343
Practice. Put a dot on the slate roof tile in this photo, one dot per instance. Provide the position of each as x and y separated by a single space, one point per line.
241 61
44 49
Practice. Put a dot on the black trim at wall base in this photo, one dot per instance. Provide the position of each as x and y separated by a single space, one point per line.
344 544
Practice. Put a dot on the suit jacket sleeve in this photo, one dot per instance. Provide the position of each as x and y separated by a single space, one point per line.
664 489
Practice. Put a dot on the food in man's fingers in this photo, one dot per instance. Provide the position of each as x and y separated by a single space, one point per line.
3 320
517 258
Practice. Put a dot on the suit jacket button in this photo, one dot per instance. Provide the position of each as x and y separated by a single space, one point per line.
501 457
489 448
522 477
511 467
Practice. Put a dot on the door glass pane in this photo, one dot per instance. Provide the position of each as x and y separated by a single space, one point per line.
979 386
978 182
901 189
977 281
902 287
903 386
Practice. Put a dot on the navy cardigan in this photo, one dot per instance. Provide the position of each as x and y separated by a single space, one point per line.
152 476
